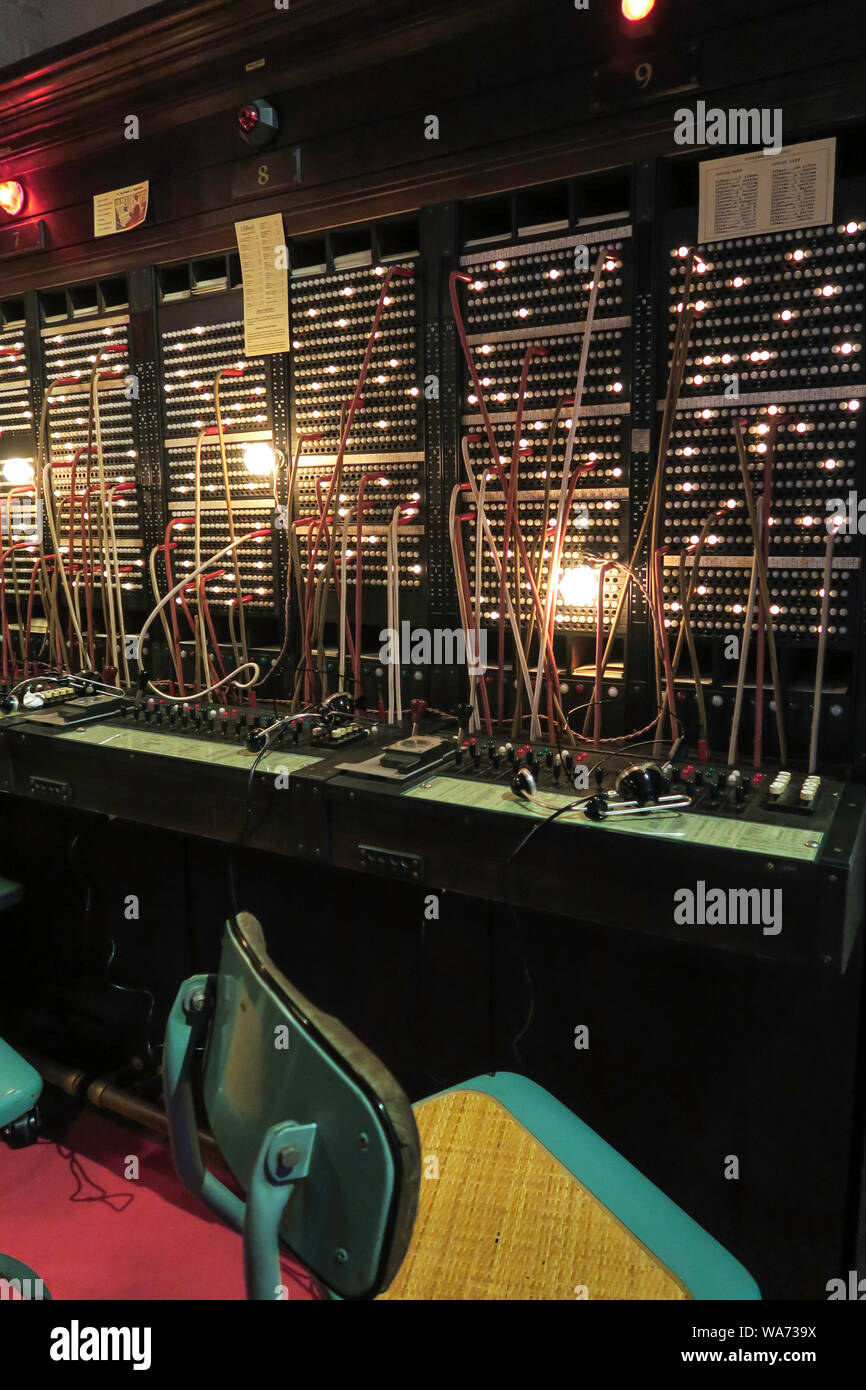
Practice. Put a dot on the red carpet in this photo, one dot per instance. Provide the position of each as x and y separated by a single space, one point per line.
70 1213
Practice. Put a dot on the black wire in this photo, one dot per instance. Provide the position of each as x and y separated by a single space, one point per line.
245 829
539 825
134 989
112 984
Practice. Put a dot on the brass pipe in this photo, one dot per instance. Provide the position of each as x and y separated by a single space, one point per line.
103 1096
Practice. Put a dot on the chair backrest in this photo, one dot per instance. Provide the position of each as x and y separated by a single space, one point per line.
273 1057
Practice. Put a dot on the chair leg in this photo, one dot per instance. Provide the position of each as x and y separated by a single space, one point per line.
186 1030
283 1160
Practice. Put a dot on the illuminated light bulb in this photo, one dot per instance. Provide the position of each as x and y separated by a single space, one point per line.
853 405
18 471
808 521
413 391
731 502
687 487
342 323
478 285
798 255
706 414
736 608
199 331
683 251
829 463
381 380
347 290
775 609
579 586
800 428
772 410
698 380
486 349
383 424
700 306
11 197
609 265
737 282
786 315
522 313
726 358
688 451
554 274
707 361
616 473
379 270
473 400
846 348
501 396
416 569
259 459
311 313
386 300
617 386
499 265
827 291
701 589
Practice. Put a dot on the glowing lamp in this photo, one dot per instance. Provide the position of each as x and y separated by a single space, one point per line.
11 197
259 459
635 10
579 586
18 471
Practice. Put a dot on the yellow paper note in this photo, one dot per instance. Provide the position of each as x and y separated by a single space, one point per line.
120 210
261 243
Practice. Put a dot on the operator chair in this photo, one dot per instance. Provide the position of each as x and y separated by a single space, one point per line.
518 1199
20 1089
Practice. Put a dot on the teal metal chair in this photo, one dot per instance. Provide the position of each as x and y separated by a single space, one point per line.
20 1089
317 1133
325 1148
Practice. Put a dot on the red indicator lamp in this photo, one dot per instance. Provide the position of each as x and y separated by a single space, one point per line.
248 118
257 123
11 197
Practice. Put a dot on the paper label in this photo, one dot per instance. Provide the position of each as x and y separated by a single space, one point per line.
757 193
261 243
120 210
720 832
193 750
